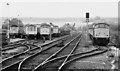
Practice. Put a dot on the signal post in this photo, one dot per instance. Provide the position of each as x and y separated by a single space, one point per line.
87 21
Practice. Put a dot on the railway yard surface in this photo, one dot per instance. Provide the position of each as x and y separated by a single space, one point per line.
46 57
14 40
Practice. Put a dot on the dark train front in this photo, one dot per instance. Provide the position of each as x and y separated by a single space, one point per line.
101 34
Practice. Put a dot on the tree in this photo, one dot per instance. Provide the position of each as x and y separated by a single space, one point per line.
69 27
12 22
5 24
17 22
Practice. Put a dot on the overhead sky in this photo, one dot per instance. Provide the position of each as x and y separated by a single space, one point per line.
60 9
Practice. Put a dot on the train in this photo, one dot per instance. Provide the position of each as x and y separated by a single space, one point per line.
30 31
16 31
45 31
13 31
37 31
100 33
56 31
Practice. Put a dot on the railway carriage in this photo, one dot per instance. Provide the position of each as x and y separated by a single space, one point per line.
101 34
30 31
13 31
45 31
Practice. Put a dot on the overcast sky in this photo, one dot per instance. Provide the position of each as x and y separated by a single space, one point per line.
60 9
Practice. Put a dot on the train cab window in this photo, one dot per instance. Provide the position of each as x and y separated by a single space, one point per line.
32 28
101 26
96 26
106 26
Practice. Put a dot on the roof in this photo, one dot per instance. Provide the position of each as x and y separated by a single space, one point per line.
30 25
45 24
3 30
55 26
14 26
101 23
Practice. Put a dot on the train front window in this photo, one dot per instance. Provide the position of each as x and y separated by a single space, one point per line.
31 28
106 26
102 26
96 26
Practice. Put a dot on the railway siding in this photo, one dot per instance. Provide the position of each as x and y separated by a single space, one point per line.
14 51
32 61
66 50
53 64
13 61
97 62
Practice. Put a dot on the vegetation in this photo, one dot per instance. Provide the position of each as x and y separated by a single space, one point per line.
69 27
12 22
115 36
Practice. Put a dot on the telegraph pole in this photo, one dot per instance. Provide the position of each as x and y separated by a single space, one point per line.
87 21
51 31
8 22
19 27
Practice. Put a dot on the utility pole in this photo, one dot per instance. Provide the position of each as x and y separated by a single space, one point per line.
87 21
19 27
51 24
8 22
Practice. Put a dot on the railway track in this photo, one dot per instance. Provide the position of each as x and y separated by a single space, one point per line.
9 53
25 41
58 63
15 60
17 49
13 51
68 49
19 43
32 61
73 59
63 62
15 43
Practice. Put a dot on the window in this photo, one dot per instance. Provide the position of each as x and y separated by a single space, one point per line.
101 26
31 28
96 26
106 26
